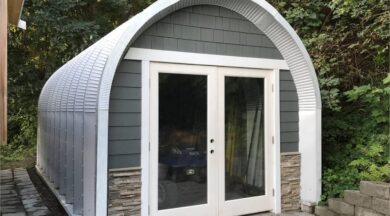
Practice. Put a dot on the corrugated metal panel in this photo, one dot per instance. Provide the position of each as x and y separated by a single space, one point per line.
298 66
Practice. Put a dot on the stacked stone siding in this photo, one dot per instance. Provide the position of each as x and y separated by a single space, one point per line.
373 199
124 196
125 187
290 180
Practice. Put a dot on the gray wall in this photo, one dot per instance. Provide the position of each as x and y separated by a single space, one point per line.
199 29
289 118
124 133
208 29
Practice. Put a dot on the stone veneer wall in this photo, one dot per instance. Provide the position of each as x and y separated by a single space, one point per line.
125 187
290 179
124 195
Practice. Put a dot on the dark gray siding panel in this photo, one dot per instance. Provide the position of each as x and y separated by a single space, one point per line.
125 93
125 119
133 67
289 118
123 161
121 147
124 133
208 29
123 106
127 80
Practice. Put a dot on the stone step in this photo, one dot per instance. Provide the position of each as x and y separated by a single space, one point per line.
356 198
360 211
341 207
381 205
323 211
380 190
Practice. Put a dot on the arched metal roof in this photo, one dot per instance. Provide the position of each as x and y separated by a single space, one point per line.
92 77
84 83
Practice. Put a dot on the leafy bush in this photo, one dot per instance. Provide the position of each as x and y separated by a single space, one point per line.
372 136
56 32
365 153
15 153
348 42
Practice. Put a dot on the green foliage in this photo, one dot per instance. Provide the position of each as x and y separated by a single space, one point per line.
15 152
348 41
364 153
56 32
372 143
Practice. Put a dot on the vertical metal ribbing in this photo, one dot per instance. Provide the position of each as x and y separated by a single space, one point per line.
69 158
51 127
73 79
61 102
76 123
57 124
89 106
299 68
89 153
66 187
78 163
46 142
42 127
79 134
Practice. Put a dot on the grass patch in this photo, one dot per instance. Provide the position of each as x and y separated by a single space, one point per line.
12 156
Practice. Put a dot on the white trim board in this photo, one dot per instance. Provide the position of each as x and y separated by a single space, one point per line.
276 148
204 59
145 136
101 201
249 205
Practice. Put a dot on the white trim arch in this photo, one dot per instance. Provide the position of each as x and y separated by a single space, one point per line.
94 70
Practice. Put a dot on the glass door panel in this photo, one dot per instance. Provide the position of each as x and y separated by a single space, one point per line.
246 141
182 147
244 137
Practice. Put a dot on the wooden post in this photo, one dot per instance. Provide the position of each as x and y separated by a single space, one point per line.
3 70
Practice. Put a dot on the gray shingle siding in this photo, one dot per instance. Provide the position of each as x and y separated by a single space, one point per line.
289 118
208 29
200 29
124 133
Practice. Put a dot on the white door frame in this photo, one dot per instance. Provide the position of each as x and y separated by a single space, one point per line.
255 204
148 55
210 208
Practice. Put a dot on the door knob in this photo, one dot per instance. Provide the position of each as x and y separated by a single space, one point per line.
211 151
212 141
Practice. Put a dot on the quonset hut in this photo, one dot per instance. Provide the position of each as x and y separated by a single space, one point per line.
191 107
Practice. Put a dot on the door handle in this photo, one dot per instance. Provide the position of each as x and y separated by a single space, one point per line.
211 151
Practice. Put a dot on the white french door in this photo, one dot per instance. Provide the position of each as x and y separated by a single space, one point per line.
245 141
210 140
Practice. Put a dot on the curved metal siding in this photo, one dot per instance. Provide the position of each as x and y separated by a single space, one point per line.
295 60
73 96
254 12
67 121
